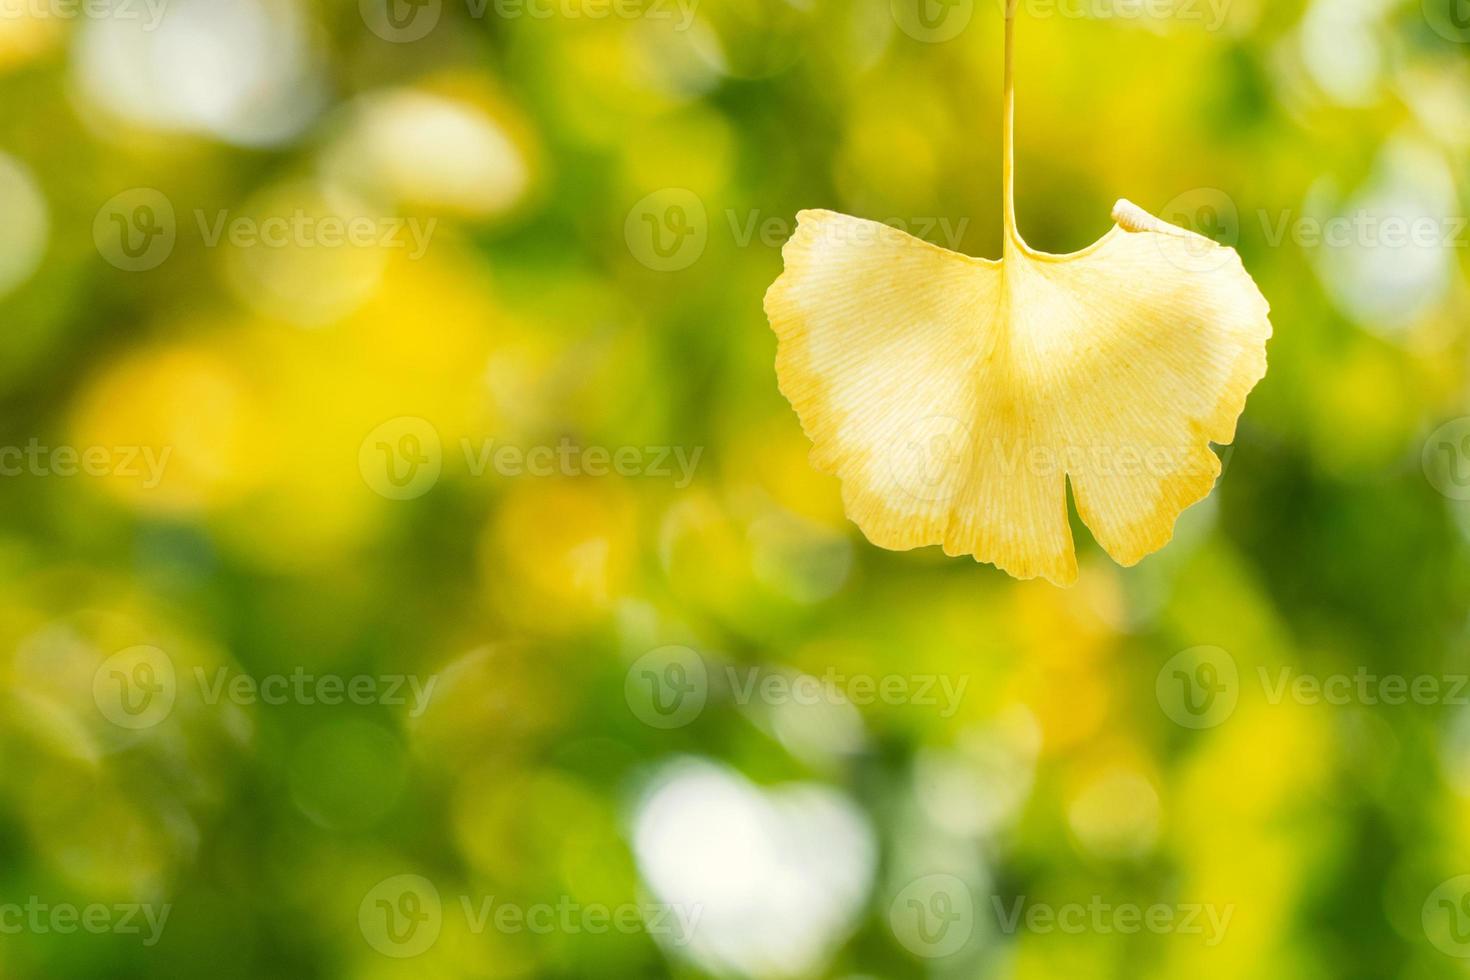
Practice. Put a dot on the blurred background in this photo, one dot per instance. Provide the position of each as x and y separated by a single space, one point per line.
408 566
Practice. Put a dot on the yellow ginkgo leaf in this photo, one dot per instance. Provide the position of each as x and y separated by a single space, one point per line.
955 397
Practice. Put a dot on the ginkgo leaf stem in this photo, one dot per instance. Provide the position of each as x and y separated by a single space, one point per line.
1008 145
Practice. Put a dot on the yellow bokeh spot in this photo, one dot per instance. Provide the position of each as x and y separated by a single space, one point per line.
181 426
560 551
451 147
25 37
310 253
